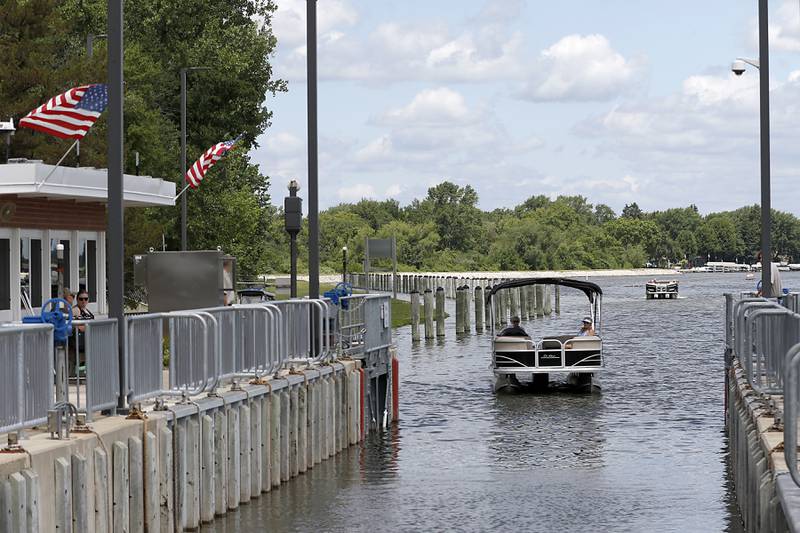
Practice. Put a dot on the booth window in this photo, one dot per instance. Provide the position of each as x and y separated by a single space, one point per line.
87 268
54 267
5 274
36 272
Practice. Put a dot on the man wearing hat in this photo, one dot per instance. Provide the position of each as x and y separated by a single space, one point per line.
586 328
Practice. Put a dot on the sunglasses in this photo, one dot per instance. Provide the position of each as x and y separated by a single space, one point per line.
83 298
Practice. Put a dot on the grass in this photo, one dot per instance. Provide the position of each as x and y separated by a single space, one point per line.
401 310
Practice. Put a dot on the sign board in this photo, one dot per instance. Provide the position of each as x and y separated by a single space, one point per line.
381 249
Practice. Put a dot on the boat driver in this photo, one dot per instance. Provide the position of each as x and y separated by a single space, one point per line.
586 328
515 330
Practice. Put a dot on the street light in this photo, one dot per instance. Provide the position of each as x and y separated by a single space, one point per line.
344 264
183 149
762 64
293 220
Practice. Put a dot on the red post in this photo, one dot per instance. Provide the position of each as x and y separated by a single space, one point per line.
363 385
395 389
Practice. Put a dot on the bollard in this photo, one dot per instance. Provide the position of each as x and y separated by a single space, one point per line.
558 299
428 314
479 312
439 312
414 315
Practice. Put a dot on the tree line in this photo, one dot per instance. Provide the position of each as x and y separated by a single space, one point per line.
446 231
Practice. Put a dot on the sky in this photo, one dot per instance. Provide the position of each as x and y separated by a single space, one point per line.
616 100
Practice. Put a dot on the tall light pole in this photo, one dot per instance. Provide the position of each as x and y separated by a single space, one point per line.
762 64
344 264
183 151
313 170
115 225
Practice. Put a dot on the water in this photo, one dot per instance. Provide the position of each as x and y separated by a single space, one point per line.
647 454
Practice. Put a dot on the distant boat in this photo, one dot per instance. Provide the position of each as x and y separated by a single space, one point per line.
794 266
657 289
750 276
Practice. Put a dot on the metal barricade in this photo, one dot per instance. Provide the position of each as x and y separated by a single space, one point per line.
26 383
94 365
308 329
771 333
194 354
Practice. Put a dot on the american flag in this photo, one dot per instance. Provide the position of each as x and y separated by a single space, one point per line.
69 115
197 171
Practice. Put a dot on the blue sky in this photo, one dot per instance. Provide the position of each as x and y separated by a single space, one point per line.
619 101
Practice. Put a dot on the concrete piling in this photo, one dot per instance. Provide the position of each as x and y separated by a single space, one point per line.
17 499
80 504
135 484
192 473
32 501
63 494
428 300
302 428
256 450
208 496
414 316
286 472
234 459
275 439
121 495
220 462
440 312
244 453
152 520
165 479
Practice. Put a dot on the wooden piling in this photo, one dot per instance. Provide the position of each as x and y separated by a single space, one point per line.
428 314
415 315
465 316
439 312
558 299
459 311
479 309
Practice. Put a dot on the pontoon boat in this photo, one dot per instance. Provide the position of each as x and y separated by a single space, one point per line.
659 288
520 361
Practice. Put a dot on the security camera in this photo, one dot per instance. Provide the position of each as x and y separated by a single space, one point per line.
738 67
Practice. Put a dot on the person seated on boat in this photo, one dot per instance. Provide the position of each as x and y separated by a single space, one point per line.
515 330
587 330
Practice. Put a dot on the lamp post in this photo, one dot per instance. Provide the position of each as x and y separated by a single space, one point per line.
183 150
738 67
344 264
313 170
293 220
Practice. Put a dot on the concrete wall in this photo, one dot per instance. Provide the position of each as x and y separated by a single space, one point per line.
756 458
182 467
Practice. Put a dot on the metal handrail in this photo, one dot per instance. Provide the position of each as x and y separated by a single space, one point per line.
790 397
19 410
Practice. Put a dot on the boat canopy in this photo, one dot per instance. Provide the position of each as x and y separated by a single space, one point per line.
591 290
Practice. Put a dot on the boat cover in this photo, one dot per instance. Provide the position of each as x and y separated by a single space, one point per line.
589 289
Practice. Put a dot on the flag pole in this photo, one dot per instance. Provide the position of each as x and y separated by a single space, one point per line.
39 185
183 191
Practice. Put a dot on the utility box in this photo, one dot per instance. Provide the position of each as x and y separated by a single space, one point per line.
177 281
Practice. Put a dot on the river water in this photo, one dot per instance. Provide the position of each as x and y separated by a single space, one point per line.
647 454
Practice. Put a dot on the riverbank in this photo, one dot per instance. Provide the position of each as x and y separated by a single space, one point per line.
653 272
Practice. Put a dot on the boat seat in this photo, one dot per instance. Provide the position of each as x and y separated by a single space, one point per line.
586 343
513 343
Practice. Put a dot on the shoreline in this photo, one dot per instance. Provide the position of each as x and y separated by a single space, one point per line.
622 272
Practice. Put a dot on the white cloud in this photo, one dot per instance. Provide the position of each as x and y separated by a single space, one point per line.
431 107
703 141
581 68
393 190
784 28
289 21
356 192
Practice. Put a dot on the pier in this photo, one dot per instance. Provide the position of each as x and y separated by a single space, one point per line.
252 397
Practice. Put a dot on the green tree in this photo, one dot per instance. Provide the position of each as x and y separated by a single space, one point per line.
632 211
455 213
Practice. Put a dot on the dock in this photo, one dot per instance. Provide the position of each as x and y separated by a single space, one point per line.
253 396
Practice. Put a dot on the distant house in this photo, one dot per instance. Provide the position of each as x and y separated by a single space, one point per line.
70 208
